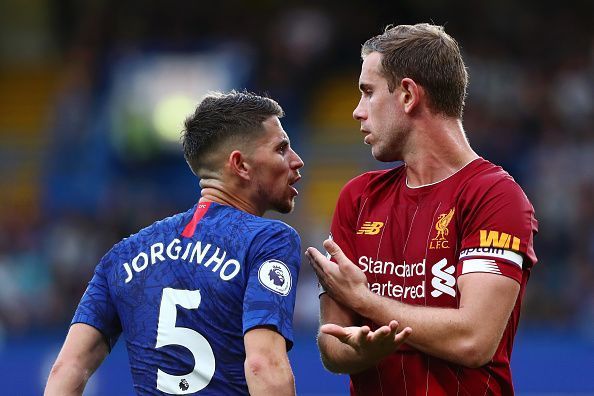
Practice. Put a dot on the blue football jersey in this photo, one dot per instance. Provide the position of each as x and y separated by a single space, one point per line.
185 290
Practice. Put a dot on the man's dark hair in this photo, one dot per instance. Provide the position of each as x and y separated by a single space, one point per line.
221 118
429 56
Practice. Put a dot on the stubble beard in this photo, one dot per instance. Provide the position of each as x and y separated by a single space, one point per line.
283 206
285 209
280 205
391 150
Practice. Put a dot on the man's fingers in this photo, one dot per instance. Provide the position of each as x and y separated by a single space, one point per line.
312 253
334 250
315 258
389 330
363 334
403 335
393 325
379 334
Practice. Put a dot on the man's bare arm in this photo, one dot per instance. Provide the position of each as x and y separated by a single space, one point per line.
82 353
468 335
267 367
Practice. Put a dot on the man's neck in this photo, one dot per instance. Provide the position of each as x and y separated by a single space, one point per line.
439 150
216 191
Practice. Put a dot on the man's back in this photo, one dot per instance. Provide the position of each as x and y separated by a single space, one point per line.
186 289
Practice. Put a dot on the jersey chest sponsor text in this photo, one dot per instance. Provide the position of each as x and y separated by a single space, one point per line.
409 280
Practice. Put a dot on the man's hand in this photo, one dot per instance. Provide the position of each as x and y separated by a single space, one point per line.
344 281
371 346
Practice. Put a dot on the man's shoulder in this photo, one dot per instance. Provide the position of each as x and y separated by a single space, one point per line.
489 178
373 179
491 190
248 228
258 224
172 225
276 227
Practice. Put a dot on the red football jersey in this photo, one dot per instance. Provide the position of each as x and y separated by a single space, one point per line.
413 244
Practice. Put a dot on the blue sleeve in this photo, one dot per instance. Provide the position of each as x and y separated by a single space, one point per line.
274 261
96 307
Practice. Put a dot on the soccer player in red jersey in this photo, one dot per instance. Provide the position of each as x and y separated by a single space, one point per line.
442 244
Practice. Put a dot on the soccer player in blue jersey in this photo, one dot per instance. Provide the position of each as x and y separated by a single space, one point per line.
204 298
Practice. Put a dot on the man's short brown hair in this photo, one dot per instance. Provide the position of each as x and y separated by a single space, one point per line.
219 119
429 56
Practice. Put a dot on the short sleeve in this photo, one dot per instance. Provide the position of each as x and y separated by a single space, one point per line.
96 307
274 260
498 232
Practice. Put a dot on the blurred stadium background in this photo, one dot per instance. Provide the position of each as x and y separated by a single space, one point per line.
93 94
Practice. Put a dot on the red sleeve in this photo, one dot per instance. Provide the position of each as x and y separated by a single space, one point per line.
498 228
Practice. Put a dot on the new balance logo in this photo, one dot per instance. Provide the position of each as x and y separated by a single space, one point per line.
443 280
499 240
370 228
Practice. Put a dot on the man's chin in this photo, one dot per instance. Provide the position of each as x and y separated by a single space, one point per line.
286 207
383 156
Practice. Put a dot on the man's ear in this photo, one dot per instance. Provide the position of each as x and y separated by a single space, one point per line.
410 95
238 164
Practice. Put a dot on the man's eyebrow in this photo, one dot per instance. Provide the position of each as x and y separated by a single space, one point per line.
364 87
283 141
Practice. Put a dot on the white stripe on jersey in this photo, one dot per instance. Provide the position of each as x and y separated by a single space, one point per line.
480 265
497 253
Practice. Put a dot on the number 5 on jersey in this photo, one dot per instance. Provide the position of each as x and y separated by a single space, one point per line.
168 334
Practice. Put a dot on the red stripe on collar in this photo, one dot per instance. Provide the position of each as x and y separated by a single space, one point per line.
200 211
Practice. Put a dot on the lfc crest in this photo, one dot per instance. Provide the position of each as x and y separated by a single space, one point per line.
443 221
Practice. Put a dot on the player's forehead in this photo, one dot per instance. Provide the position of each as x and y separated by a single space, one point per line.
273 131
371 69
